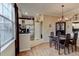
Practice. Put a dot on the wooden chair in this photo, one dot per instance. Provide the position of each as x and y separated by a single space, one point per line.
63 44
59 33
57 40
73 42
51 37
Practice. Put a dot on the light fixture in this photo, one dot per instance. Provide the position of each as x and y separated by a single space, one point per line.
39 18
26 13
62 17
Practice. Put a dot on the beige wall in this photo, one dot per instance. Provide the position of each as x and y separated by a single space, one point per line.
48 20
45 29
9 51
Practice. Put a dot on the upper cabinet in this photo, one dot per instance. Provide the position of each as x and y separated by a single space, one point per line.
61 27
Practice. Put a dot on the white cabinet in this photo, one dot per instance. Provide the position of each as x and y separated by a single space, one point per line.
24 42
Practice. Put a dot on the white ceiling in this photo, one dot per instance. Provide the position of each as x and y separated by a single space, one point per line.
53 9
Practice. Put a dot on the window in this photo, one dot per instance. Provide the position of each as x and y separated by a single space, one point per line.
7 23
0 8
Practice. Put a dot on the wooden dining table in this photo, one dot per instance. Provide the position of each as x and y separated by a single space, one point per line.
62 38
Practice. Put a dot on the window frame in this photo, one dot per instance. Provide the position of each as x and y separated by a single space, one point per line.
12 21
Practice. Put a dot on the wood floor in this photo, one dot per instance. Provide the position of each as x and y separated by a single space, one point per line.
45 50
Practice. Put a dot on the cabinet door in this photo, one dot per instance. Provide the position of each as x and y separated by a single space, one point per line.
62 25
58 26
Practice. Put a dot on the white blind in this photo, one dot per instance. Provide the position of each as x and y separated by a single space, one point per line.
7 23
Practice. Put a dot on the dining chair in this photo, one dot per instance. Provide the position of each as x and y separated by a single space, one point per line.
68 37
73 42
59 33
57 40
51 38
63 44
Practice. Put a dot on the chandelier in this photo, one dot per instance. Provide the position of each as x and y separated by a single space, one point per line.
62 18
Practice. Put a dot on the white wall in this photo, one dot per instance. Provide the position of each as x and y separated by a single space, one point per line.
9 51
20 13
24 40
37 31
68 27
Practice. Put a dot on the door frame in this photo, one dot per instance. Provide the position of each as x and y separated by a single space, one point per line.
17 30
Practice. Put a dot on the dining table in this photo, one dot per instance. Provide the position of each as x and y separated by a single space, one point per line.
64 38
61 38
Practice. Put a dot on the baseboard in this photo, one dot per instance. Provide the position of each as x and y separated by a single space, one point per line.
39 43
25 49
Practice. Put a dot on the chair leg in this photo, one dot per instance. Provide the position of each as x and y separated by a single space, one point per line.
68 50
75 48
72 48
50 43
55 45
59 50
64 51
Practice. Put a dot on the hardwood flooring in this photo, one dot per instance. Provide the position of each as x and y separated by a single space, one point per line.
45 50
